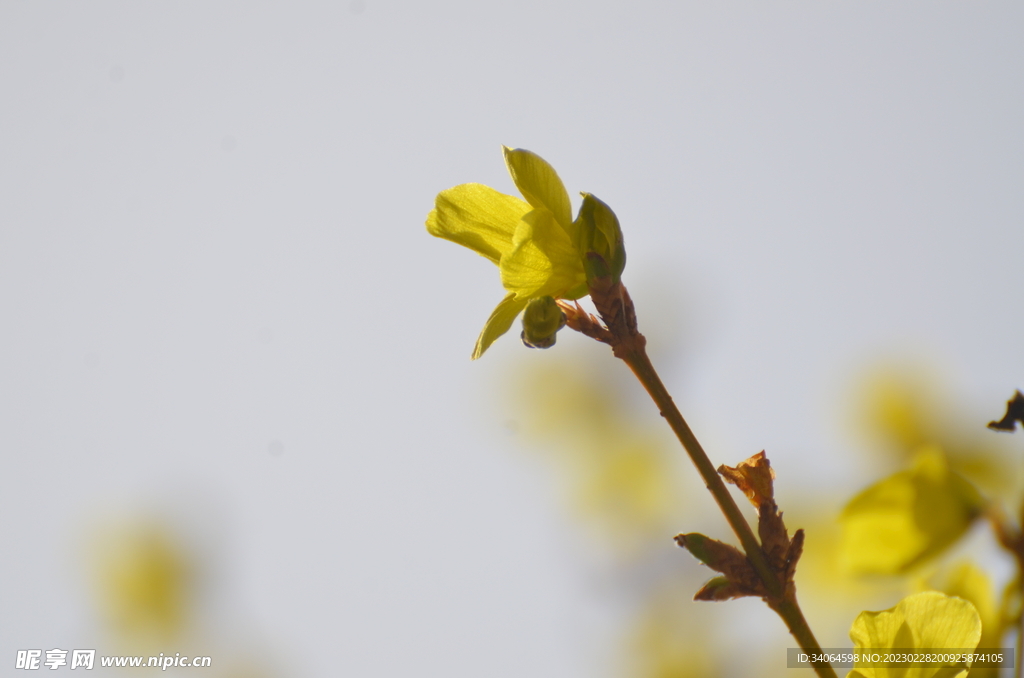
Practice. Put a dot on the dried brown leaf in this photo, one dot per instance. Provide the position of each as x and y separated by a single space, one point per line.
754 477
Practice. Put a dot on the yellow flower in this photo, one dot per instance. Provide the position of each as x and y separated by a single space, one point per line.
535 242
923 621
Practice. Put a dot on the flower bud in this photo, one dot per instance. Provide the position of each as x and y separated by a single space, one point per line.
541 321
600 240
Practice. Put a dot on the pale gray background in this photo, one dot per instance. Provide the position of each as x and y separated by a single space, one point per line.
219 302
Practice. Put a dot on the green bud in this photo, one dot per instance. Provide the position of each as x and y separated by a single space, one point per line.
600 240
541 321
719 588
718 556
698 545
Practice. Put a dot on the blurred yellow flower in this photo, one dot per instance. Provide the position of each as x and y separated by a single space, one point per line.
923 621
142 578
669 641
907 517
623 478
900 409
534 242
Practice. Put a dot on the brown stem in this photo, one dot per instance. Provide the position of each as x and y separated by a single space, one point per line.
1011 539
644 371
785 605
616 309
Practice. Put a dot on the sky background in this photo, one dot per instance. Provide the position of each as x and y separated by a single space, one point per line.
220 306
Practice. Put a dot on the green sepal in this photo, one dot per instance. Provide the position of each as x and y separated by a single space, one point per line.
595 266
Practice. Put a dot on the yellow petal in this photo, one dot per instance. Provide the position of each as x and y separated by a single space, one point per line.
477 217
539 184
923 621
907 517
543 261
499 322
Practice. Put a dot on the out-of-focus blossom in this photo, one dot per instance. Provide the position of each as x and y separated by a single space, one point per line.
670 641
143 580
621 477
899 410
908 517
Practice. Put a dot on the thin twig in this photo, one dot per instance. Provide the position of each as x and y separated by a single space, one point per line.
620 331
